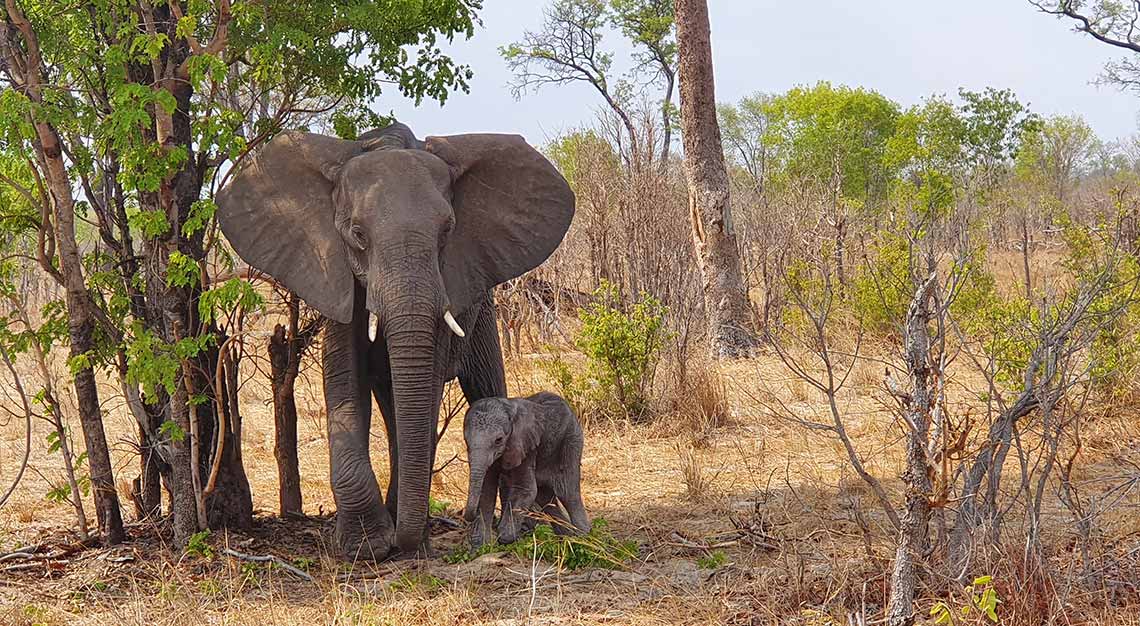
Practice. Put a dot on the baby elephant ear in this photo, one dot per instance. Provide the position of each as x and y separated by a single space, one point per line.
524 436
512 209
277 212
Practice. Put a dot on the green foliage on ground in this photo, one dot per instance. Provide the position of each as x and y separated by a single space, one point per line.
712 560
598 548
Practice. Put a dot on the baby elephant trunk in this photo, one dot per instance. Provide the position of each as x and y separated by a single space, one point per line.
474 490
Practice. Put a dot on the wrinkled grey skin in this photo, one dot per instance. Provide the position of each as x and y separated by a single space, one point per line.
530 451
406 231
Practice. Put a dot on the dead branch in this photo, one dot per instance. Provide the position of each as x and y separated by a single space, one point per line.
268 558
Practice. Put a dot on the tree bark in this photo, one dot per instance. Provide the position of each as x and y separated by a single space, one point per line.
286 347
230 504
726 302
913 535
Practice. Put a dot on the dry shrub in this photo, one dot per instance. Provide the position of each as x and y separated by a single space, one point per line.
698 484
696 405
866 374
798 390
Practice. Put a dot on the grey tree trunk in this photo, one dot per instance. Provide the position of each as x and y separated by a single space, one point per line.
731 332
913 536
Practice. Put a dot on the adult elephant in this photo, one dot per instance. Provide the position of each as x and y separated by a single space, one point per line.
418 234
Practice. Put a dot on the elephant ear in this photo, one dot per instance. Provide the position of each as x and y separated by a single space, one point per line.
512 209
277 212
524 436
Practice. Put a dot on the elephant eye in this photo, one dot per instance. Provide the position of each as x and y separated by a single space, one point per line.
359 238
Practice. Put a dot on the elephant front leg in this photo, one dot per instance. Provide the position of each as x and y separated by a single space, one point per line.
480 532
364 528
519 495
481 372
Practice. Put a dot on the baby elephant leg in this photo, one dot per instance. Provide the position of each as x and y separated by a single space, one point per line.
568 488
485 517
521 496
547 506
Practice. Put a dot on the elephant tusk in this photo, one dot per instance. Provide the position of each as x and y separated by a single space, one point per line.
371 326
453 325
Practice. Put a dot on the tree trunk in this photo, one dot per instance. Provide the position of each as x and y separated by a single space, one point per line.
285 349
81 331
230 503
913 535
726 301
80 307
1025 243
667 119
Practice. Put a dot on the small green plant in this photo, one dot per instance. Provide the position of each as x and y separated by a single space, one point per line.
304 563
464 554
249 572
598 548
712 560
36 614
437 508
168 591
209 587
420 582
982 601
199 545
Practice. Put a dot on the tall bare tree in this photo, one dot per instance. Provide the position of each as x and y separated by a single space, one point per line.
726 302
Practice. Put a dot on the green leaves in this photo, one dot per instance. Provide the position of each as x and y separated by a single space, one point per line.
182 270
622 347
228 297
151 363
827 135
172 431
982 601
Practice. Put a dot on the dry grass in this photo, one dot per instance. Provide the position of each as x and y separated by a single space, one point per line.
802 539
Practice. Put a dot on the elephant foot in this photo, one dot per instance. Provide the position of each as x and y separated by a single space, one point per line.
508 533
477 537
360 541
423 551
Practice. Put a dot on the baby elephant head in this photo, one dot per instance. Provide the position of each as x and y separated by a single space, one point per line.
496 428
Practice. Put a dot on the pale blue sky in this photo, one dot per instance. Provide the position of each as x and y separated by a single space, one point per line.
905 49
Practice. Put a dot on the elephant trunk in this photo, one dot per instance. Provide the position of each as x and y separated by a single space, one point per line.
411 337
474 489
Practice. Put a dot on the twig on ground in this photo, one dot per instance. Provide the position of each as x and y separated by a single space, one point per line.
16 555
268 558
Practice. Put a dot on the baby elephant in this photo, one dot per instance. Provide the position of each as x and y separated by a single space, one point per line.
529 450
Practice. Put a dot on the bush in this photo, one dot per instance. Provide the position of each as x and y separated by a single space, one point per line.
623 347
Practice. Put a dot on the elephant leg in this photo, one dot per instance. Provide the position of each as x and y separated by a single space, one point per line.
485 519
481 372
568 488
547 505
382 391
383 395
364 526
518 501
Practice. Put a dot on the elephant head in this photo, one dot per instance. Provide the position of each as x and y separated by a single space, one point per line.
426 228
496 429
